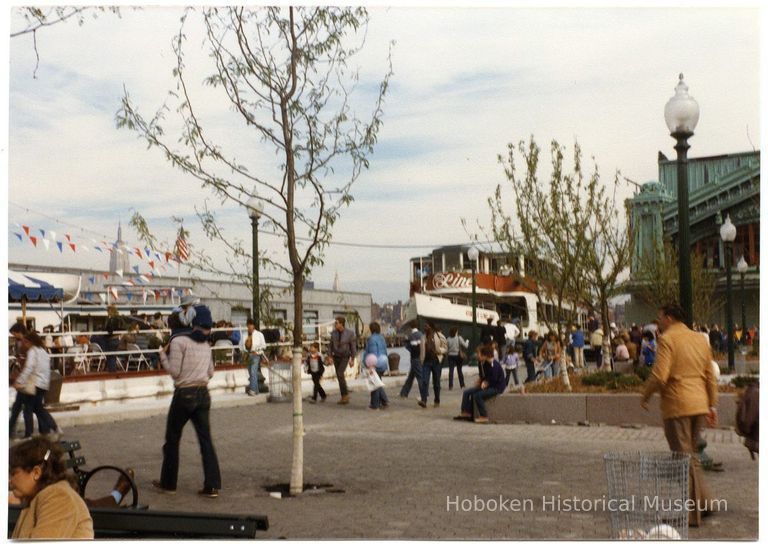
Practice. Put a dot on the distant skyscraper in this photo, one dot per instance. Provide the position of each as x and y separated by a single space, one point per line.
118 260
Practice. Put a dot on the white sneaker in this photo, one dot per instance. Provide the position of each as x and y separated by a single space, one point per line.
251 393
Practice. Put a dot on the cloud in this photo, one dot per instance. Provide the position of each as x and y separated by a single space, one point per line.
467 81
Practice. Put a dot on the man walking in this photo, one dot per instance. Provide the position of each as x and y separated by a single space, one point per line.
253 346
530 350
577 342
414 349
684 377
189 361
343 349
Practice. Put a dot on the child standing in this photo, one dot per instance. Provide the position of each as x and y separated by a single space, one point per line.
375 384
314 366
511 362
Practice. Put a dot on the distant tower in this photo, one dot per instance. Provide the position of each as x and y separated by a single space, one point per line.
336 281
646 224
118 260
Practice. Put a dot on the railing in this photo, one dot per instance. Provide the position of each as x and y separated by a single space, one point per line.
91 357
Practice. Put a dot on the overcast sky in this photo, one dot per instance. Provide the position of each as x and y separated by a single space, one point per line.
466 82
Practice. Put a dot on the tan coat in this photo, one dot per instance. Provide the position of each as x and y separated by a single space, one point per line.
56 512
683 374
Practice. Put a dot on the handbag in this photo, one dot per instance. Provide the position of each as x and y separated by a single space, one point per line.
29 388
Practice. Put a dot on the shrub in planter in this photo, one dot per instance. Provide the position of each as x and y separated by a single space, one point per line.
743 381
612 380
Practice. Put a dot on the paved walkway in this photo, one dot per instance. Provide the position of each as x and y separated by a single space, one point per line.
395 471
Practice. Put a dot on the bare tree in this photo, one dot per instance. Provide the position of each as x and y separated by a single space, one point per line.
656 282
36 18
284 74
609 249
549 229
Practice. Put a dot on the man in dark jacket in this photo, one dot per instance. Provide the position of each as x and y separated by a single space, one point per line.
343 349
414 348
530 350
490 383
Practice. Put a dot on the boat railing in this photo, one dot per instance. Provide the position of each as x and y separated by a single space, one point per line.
91 357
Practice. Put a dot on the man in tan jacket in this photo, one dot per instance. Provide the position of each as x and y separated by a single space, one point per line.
683 375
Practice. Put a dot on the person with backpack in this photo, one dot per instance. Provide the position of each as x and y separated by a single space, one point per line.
433 347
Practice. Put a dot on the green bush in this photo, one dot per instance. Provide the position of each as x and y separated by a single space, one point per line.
743 381
643 372
612 380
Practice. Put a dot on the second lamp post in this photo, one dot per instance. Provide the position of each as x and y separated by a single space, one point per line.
473 255
728 234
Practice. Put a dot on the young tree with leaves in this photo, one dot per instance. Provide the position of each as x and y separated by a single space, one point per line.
284 74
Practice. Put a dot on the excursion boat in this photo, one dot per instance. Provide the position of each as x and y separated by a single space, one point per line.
441 292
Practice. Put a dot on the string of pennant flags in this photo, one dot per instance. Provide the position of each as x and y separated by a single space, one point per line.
158 262
155 260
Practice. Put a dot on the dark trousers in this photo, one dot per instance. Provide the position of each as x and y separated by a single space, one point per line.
317 388
476 396
455 360
512 372
414 373
111 344
431 368
33 404
189 403
379 398
18 404
341 364
682 434
530 369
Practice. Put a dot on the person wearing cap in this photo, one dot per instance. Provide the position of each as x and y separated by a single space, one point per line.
187 309
189 361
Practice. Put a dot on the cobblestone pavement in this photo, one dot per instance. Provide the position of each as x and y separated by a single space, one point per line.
398 470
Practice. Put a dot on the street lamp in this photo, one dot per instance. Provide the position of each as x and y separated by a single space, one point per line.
473 255
728 234
741 268
681 114
255 209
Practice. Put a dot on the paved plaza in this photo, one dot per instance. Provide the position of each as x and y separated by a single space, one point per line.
398 470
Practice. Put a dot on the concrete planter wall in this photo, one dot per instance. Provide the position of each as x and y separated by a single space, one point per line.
606 408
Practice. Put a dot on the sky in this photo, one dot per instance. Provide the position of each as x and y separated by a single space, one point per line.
467 81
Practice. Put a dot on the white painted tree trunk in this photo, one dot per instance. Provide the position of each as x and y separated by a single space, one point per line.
297 465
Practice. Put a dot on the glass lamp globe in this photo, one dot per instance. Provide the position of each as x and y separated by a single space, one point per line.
473 254
681 112
742 265
728 230
255 207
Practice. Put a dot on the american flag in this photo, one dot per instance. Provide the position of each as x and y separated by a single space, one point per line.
182 249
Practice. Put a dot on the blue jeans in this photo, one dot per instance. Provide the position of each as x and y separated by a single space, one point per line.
476 396
111 344
379 398
189 403
414 372
254 363
455 361
434 369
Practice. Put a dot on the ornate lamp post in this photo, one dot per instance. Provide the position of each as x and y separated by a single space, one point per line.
473 255
681 114
741 268
255 208
728 234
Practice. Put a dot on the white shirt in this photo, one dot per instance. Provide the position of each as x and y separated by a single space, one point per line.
37 368
258 343
512 331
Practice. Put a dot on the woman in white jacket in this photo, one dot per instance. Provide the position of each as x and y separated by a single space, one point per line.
33 383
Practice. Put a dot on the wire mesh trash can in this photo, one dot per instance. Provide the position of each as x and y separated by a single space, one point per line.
279 381
648 495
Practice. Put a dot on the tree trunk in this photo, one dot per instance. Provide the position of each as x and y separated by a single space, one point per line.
297 463
606 352
563 357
